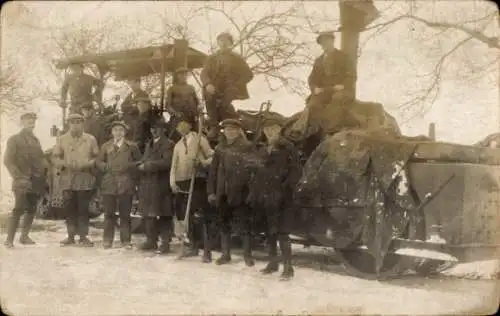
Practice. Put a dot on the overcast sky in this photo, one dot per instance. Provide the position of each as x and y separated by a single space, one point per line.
465 112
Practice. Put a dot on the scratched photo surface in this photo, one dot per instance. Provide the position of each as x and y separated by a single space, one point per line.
254 157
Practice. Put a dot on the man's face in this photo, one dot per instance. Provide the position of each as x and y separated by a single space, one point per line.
86 112
118 132
142 106
76 125
76 69
183 128
181 77
224 43
272 132
327 43
156 131
231 132
28 123
134 85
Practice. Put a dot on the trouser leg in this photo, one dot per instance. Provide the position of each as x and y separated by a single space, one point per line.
165 233
150 226
245 220
71 209
213 113
83 201
21 202
272 266
124 208
225 214
286 251
109 202
28 218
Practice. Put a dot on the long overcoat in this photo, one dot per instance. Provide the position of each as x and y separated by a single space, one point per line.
26 163
155 194
229 73
230 172
331 69
119 166
272 187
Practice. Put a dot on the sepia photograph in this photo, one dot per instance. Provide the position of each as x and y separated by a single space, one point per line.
250 157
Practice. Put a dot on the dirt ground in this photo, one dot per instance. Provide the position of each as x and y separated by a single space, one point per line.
45 279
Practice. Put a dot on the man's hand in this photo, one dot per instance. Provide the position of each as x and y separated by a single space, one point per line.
212 199
210 88
141 167
175 188
318 90
338 87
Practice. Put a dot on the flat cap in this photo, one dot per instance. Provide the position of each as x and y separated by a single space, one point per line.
75 116
28 114
269 121
226 35
326 34
181 70
158 122
119 123
231 122
188 119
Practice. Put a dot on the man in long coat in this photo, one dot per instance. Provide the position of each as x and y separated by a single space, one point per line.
75 152
228 189
224 77
272 191
80 86
129 106
140 131
26 164
118 159
155 194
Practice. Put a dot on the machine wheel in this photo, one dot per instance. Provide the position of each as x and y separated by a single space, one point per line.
360 263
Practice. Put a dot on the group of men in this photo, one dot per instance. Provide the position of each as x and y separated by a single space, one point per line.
236 184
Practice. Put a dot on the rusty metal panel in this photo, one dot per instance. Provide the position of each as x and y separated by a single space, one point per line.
457 153
468 208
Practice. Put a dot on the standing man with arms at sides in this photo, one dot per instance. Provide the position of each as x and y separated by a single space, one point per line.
80 85
224 77
129 105
272 191
118 160
26 164
192 154
181 96
228 188
75 152
155 195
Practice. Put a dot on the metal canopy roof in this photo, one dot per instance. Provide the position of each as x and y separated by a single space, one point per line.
137 62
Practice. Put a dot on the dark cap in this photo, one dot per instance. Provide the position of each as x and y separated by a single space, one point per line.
181 70
28 115
119 123
75 63
86 106
188 119
158 122
74 117
231 122
269 121
326 34
226 35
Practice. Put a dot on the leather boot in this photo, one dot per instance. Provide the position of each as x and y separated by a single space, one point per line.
286 250
226 252
207 246
247 250
11 230
273 265
26 227
151 235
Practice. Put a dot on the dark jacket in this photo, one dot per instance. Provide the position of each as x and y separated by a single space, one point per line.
230 172
155 195
80 89
182 98
95 127
25 162
333 70
229 73
119 167
140 129
130 100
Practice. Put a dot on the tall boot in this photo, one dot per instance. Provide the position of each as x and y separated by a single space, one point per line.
11 229
273 265
247 250
226 252
26 227
207 246
151 234
286 250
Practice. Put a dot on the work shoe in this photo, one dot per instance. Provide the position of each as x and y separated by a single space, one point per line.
8 244
85 242
127 245
207 257
26 240
223 259
163 249
147 246
270 268
249 262
68 241
287 273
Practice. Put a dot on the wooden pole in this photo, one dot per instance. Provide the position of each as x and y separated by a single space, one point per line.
432 131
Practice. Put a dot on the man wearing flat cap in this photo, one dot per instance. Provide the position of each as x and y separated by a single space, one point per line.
117 160
75 153
224 77
181 97
26 164
92 124
271 193
140 128
227 188
80 85
155 194
192 154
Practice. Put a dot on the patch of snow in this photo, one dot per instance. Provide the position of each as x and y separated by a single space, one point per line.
425 253
486 269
